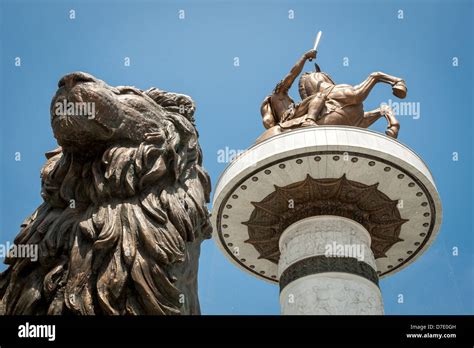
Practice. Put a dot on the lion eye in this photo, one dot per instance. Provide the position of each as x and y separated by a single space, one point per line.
83 79
74 79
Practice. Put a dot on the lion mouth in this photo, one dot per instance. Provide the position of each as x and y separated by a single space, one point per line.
73 106
75 123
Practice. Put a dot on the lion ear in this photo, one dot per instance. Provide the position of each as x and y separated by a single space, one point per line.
174 102
54 152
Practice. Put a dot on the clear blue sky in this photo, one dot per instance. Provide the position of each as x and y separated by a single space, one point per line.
196 56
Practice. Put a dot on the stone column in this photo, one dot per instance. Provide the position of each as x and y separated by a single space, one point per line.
327 267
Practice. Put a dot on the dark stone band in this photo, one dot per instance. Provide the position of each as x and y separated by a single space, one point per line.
322 264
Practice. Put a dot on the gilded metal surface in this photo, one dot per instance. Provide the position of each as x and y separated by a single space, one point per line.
323 102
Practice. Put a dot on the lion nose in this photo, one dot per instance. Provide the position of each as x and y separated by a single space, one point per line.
70 80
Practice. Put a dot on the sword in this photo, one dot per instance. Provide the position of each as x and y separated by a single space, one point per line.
316 42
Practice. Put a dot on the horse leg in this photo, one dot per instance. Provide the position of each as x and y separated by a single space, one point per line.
393 126
371 116
361 91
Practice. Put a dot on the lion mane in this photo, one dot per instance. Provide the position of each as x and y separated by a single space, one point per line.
120 228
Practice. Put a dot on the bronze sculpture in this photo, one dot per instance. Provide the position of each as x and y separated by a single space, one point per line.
124 209
324 102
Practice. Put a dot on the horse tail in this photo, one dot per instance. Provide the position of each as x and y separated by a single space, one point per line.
268 117
266 107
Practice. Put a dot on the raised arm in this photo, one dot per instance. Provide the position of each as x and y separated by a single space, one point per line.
296 70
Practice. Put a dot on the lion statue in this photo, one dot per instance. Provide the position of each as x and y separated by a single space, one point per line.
124 209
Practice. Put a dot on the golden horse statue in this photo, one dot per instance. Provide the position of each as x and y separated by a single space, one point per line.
326 103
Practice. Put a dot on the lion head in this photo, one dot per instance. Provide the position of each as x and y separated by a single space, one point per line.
124 208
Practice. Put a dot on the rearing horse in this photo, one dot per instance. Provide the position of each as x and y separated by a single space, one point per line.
325 102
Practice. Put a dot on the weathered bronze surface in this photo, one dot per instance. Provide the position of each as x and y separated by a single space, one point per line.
311 197
324 102
124 209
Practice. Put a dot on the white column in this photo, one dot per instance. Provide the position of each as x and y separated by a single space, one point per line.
327 267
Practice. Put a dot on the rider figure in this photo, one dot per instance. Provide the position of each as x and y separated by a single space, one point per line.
279 107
